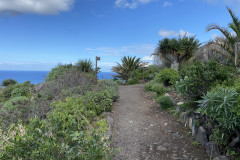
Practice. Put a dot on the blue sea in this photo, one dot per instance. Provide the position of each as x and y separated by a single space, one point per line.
38 76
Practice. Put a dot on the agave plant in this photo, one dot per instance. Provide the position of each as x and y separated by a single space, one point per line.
226 45
129 64
178 50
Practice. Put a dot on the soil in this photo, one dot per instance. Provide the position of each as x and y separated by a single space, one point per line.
143 131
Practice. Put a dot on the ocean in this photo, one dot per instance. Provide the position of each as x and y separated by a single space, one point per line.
38 76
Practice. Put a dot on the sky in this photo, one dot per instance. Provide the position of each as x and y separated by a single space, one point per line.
36 35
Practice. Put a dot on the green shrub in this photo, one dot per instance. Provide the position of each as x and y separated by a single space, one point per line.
148 86
132 81
145 73
37 140
167 76
165 102
111 86
14 103
160 89
17 108
17 92
20 89
8 82
58 71
220 104
199 78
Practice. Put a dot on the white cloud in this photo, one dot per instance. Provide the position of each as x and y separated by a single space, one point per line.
132 4
45 7
167 4
138 49
148 58
171 33
214 36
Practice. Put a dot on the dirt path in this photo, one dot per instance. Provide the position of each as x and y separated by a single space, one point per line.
144 132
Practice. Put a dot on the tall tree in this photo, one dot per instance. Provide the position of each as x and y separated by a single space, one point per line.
178 50
227 44
128 65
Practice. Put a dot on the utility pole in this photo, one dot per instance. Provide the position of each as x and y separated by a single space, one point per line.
96 71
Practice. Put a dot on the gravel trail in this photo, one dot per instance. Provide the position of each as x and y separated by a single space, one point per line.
145 132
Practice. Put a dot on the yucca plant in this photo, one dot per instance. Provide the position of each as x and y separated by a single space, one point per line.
226 44
129 64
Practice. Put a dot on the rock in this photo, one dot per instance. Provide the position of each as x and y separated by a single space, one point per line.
176 135
202 136
178 109
161 148
165 144
194 130
190 122
212 149
221 158
180 103
182 114
165 124
185 118
166 94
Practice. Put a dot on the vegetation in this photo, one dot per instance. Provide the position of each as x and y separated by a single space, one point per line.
167 76
220 105
8 82
85 65
178 50
129 64
227 44
160 89
198 78
165 102
59 119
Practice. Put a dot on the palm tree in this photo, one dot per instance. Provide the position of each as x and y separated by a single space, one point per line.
85 65
179 50
128 65
227 44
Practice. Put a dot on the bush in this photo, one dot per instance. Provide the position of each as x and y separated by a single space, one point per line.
145 73
37 140
20 89
199 78
167 76
132 81
111 86
8 82
148 86
67 81
17 108
58 71
221 106
160 89
165 102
